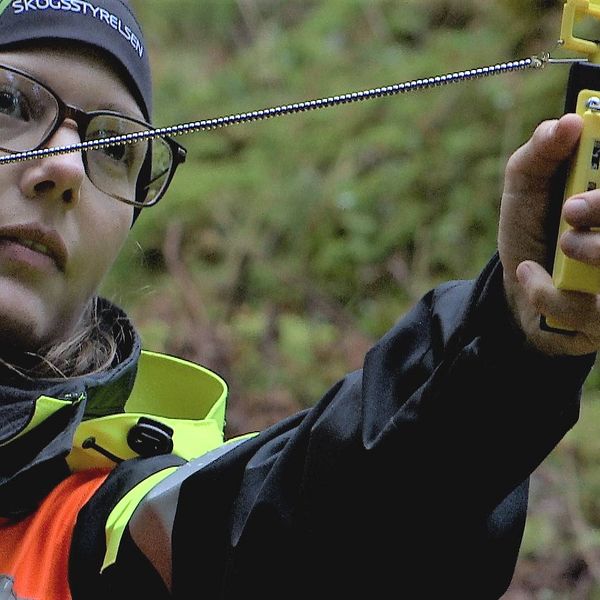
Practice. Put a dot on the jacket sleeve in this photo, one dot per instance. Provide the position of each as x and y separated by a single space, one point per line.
410 474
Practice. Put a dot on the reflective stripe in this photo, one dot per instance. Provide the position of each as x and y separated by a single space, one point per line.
121 514
151 526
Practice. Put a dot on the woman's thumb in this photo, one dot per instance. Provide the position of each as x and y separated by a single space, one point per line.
552 143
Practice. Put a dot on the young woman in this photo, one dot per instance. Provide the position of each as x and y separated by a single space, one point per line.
115 482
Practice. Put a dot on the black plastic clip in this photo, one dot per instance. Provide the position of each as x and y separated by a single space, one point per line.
150 438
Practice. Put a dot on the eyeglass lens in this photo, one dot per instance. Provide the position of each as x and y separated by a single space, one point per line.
135 172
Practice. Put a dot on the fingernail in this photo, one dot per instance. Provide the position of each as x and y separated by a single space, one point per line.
577 205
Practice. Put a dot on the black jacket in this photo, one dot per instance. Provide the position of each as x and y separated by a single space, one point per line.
408 478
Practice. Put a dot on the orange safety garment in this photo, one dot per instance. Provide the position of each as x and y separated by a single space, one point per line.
35 550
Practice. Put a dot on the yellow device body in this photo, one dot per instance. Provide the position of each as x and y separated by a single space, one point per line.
584 170
584 175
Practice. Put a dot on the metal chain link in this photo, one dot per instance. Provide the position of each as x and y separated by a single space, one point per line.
534 62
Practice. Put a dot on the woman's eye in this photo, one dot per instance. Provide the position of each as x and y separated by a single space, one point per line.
117 153
15 105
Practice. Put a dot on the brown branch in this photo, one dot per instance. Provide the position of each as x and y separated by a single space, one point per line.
203 342
180 273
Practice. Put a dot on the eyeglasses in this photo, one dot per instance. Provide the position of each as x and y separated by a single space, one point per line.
137 173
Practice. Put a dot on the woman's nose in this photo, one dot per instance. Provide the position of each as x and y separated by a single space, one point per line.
57 177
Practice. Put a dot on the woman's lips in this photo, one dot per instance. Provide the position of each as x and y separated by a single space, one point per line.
15 252
34 244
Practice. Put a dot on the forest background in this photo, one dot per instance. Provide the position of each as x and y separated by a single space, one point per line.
286 247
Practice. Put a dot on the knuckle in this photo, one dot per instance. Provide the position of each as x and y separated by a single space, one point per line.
537 297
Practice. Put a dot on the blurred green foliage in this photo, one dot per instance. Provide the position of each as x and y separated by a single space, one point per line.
285 247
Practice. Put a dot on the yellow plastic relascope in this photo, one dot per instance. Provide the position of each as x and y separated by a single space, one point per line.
574 11
583 174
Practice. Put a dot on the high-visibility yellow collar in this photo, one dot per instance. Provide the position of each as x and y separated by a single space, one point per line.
172 395
178 396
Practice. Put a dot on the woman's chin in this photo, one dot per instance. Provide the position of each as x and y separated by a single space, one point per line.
26 323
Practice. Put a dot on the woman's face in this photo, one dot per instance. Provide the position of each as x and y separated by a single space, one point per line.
51 201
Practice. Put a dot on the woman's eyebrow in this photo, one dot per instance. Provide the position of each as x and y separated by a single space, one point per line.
119 108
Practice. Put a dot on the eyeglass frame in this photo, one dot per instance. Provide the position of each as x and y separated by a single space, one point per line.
82 119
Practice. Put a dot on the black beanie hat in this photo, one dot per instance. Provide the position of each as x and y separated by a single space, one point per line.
107 24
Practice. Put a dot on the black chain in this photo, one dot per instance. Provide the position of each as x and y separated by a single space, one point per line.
533 62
